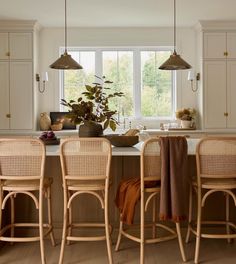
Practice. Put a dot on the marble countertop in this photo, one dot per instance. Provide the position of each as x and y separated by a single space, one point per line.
53 150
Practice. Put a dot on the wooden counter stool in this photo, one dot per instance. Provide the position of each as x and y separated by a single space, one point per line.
85 170
216 172
150 172
22 163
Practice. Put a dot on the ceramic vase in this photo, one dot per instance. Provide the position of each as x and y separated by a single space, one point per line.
44 121
186 124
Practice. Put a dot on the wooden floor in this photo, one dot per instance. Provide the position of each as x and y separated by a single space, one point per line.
212 251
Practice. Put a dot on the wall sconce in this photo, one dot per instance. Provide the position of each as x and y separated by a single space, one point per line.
44 80
192 77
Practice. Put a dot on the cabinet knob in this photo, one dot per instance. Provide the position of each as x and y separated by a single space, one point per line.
226 53
8 115
226 114
8 54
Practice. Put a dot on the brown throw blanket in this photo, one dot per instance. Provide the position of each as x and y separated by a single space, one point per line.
174 158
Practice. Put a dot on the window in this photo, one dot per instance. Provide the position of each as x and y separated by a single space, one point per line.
149 92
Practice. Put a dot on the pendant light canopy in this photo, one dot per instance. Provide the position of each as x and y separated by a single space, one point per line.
66 62
175 62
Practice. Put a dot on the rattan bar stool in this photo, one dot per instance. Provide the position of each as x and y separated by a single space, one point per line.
216 172
85 170
22 163
150 172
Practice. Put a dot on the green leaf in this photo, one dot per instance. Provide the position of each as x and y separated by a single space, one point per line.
112 125
106 124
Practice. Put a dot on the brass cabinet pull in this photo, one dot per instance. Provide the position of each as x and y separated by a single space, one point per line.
226 53
226 114
8 54
8 115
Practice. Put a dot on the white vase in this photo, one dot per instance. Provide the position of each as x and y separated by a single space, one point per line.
186 124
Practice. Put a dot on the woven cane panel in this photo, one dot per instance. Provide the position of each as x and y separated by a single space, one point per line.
218 165
86 158
85 165
20 158
152 161
218 147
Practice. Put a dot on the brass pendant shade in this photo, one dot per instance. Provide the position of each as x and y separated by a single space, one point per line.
175 62
66 62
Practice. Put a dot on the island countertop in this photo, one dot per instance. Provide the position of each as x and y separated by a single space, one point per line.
54 150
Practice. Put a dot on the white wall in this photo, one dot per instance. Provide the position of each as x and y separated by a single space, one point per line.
52 38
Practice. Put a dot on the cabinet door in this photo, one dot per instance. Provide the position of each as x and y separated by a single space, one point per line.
4 49
214 94
20 46
214 45
231 94
4 95
231 45
21 95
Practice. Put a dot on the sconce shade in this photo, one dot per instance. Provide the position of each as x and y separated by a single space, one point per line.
191 75
175 62
45 77
66 62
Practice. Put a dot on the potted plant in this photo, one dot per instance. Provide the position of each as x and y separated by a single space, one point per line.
186 116
92 111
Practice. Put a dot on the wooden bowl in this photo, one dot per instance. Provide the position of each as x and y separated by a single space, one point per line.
57 127
122 141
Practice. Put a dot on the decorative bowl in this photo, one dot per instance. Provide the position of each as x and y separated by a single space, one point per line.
121 140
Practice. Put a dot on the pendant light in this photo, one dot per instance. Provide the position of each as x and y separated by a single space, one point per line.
175 62
66 62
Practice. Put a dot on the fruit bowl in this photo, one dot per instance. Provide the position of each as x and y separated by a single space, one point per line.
49 138
121 140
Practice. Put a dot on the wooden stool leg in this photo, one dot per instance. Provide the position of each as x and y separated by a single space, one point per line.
119 235
41 227
154 217
108 240
1 212
180 242
70 221
142 229
190 212
198 236
227 216
12 217
64 231
49 201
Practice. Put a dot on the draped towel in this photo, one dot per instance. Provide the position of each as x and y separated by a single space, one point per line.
174 159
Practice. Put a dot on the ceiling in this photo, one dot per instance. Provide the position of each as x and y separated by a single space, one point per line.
118 13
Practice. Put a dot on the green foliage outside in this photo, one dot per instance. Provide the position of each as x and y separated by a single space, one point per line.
156 95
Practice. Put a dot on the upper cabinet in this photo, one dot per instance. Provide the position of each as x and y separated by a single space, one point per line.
219 45
217 63
17 70
16 46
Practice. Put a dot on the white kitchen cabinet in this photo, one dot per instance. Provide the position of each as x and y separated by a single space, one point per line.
219 45
214 94
4 95
17 62
217 64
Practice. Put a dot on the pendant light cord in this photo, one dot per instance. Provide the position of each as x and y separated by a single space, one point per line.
65 29
174 26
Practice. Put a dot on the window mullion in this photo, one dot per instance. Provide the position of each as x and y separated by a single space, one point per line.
98 63
137 83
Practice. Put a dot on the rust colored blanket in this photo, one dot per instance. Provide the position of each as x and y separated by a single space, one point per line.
128 194
174 158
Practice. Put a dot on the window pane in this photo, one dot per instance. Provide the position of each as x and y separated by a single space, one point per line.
156 87
75 80
118 68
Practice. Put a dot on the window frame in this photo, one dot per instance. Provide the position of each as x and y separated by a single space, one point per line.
137 81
